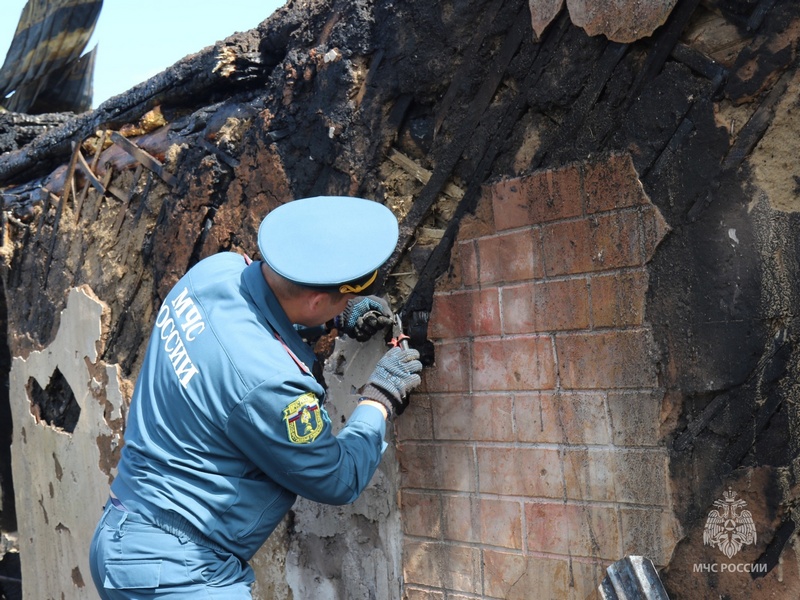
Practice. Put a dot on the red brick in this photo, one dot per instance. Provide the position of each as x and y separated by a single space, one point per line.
613 183
614 359
545 306
516 577
650 532
573 530
467 255
473 417
561 418
589 474
421 594
524 363
605 242
439 565
481 222
422 514
510 257
529 472
483 521
655 229
417 421
437 467
510 204
626 476
585 578
618 300
451 369
542 196
641 476
465 313
567 248
636 418
616 240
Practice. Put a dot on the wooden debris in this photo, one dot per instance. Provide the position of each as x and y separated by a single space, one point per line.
421 174
144 158
69 186
96 183
89 171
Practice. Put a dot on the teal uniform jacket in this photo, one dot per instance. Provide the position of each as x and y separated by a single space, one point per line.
227 425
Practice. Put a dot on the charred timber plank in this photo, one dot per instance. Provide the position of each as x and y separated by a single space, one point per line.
123 209
748 137
758 14
144 158
757 125
772 553
145 192
90 176
69 186
96 184
420 174
700 63
601 74
451 153
186 82
226 158
416 311
663 43
456 87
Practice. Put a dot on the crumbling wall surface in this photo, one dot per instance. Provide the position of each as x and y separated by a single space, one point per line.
66 434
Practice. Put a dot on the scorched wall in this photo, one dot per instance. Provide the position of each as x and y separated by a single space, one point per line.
534 458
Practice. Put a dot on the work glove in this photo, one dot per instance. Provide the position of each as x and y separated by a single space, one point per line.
394 377
363 317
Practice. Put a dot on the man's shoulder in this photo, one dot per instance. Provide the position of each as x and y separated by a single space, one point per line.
225 261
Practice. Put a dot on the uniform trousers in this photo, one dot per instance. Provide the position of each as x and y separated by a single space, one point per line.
131 558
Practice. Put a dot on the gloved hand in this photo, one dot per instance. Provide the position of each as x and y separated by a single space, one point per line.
363 317
394 377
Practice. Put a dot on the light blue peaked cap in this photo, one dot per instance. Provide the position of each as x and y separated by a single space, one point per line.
330 242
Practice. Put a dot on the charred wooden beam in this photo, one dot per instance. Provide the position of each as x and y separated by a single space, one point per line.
700 63
460 76
748 137
233 65
664 41
451 153
416 311
144 158
96 184
69 187
575 119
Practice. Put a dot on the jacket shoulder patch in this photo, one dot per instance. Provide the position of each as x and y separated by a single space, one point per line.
303 419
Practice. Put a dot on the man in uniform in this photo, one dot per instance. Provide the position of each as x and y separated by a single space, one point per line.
227 424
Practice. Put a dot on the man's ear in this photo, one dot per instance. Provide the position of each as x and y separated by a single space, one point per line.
314 300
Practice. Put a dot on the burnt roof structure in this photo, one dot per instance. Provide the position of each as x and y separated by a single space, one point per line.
423 107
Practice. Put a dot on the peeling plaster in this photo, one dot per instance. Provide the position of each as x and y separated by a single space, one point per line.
351 551
59 483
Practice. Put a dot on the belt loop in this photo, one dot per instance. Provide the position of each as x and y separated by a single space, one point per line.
120 529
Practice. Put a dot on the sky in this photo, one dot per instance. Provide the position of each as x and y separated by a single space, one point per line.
139 39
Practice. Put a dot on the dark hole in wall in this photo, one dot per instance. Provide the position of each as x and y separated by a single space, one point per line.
56 404
8 515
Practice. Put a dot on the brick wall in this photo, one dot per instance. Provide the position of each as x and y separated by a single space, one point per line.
531 457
